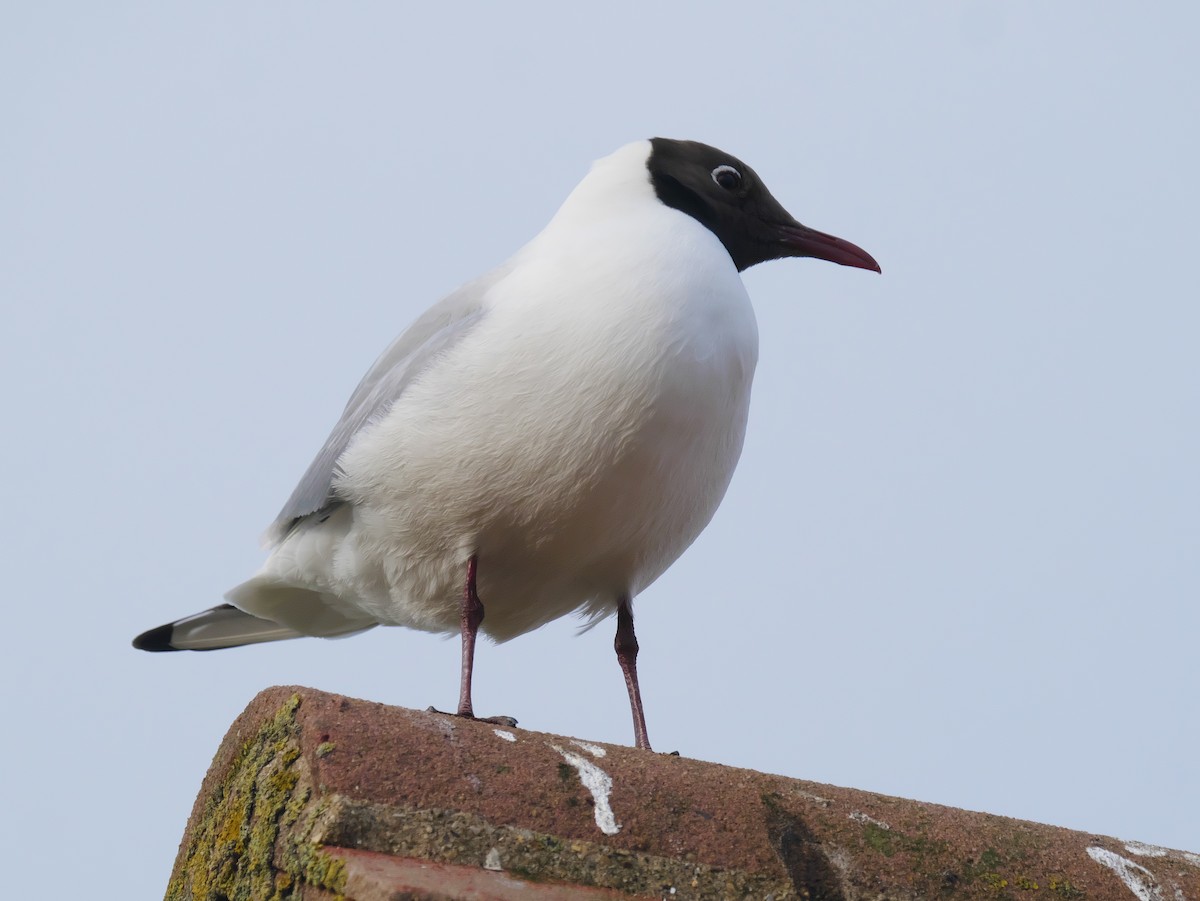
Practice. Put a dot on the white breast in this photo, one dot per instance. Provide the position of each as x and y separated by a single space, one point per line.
578 440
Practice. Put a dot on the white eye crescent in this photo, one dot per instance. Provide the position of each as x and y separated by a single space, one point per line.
727 177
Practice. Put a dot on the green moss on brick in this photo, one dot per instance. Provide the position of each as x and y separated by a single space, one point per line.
1064 889
234 846
879 839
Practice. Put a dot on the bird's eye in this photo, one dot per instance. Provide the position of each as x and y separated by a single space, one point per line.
727 177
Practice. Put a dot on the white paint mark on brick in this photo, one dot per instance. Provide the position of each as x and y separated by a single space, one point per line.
809 796
1136 877
594 750
507 736
859 817
599 783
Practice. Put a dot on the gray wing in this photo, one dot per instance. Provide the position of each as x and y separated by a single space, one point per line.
440 328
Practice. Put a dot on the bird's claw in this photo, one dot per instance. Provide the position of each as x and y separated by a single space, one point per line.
509 721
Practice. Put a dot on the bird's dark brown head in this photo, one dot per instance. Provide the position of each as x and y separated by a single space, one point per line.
727 196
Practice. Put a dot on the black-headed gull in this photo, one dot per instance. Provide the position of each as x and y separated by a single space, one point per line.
545 440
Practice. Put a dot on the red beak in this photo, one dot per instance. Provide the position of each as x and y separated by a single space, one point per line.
803 241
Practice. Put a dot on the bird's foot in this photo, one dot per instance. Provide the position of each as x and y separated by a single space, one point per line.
508 721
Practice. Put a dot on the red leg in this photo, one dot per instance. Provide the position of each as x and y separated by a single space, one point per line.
627 650
471 616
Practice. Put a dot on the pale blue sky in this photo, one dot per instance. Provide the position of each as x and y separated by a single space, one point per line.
959 560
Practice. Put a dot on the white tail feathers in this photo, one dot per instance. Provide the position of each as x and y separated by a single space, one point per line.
220 627
303 611
227 626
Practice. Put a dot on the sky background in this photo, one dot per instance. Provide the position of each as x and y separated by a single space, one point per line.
958 562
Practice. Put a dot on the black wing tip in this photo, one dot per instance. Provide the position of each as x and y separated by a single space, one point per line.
158 639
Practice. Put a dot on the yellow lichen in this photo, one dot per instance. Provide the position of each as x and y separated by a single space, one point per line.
1064 888
994 881
233 847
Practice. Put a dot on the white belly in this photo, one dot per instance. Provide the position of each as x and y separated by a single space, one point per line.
576 446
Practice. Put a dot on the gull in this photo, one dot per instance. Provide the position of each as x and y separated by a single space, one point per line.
545 440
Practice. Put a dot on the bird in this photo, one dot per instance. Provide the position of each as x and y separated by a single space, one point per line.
545 440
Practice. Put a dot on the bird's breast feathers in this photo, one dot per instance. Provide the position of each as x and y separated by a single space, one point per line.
597 414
